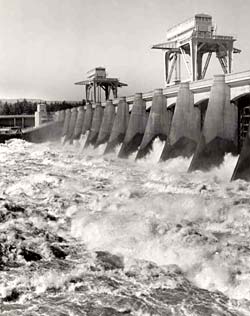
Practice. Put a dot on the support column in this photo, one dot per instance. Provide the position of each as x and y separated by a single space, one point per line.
158 124
136 127
87 119
40 115
107 123
107 92
95 126
114 89
79 123
230 52
193 50
61 115
72 123
185 127
94 86
199 66
167 55
119 127
206 65
219 134
55 116
87 92
242 168
66 122
178 69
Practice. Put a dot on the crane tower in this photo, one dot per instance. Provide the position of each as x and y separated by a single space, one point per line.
96 82
192 40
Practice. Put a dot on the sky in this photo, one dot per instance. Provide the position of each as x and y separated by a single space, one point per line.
48 45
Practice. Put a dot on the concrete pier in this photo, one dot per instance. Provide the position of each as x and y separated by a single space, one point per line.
87 119
95 126
66 122
136 127
185 127
107 123
158 124
242 168
72 123
79 123
41 115
219 134
119 127
61 115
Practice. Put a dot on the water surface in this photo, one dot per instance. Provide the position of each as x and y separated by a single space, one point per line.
87 234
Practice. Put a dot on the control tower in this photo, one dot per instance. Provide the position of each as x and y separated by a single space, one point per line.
193 40
96 82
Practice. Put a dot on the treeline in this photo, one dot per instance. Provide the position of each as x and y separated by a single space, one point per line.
28 107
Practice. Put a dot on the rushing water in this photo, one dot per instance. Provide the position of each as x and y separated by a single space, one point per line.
86 234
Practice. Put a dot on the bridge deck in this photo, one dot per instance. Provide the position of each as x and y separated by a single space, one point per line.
233 80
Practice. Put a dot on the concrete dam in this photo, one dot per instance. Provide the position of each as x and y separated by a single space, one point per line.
207 128
199 117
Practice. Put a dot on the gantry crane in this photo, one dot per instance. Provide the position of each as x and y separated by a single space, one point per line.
191 41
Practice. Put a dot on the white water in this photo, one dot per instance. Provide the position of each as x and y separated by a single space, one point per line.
141 210
171 217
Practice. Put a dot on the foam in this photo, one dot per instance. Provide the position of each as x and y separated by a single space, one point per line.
140 209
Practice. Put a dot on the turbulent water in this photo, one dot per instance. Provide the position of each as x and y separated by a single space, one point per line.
87 234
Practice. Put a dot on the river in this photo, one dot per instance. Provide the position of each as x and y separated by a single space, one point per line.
87 234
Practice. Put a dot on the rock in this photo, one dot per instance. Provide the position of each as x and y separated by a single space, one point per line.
109 261
30 255
14 208
13 296
203 188
58 252
2 216
53 238
51 217
75 279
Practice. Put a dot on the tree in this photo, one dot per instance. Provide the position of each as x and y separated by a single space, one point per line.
6 109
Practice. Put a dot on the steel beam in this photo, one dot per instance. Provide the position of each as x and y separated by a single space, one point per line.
173 65
206 65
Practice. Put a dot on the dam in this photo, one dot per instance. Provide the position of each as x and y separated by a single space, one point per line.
194 116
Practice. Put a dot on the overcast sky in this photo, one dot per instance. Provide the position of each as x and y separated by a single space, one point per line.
47 45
